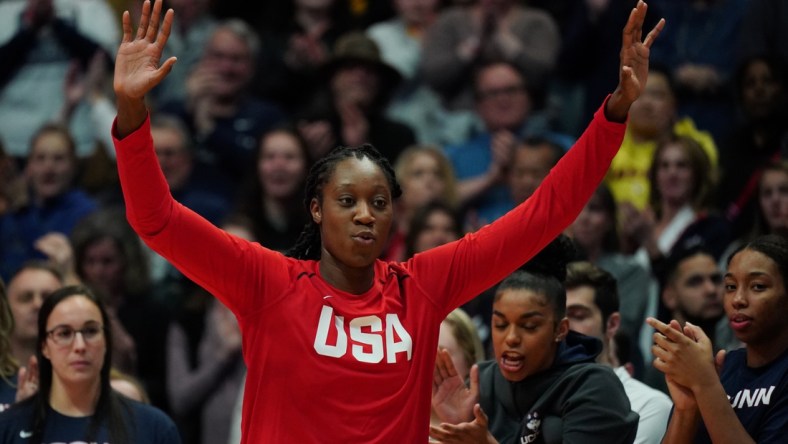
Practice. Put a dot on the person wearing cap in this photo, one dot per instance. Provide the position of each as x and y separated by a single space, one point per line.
350 110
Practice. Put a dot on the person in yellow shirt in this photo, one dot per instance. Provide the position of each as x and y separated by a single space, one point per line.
651 119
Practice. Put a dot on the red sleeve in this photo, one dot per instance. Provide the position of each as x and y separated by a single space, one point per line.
238 272
457 272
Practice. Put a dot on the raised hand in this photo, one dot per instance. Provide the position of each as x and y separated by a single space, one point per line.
137 68
633 66
452 400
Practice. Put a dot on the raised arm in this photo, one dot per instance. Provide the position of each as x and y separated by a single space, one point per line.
137 67
633 66
480 260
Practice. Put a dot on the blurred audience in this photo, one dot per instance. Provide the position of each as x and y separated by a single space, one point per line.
464 36
350 108
652 118
761 137
224 119
53 204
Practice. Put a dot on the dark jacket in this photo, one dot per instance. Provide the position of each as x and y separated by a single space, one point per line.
573 401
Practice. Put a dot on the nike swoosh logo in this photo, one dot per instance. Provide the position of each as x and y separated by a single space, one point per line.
24 434
326 297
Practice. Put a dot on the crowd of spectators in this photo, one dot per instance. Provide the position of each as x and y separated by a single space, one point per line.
472 101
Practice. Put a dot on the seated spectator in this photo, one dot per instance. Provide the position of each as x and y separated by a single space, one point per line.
53 203
681 186
27 289
523 395
69 408
223 118
425 175
350 109
592 309
481 163
595 233
737 396
692 291
772 212
273 198
653 118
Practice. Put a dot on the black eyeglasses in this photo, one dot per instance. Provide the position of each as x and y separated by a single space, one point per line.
63 335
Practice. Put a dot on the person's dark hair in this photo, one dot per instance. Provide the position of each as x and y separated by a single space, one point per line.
480 67
774 246
308 245
251 200
610 242
579 274
666 271
544 274
623 342
704 180
110 223
110 408
419 222
55 128
777 66
536 142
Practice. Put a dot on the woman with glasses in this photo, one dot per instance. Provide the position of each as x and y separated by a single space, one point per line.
75 401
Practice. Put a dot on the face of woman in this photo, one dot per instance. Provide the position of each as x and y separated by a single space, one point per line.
281 165
591 225
773 199
674 175
447 340
78 358
525 333
422 181
355 215
755 298
440 229
103 266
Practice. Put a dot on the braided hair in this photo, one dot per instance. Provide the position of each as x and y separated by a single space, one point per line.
308 245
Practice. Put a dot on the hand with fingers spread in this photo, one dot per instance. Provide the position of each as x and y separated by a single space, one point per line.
474 432
452 400
137 65
633 67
